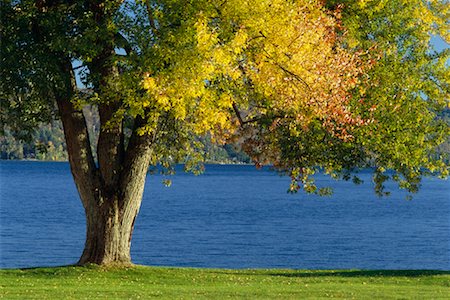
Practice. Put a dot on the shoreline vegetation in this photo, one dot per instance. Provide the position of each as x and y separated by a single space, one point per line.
135 282
227 162
48 144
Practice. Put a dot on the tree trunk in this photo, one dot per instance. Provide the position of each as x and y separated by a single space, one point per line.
110 217
111 212
108 233
111 194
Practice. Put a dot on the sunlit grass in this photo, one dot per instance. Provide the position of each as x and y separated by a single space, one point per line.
175 283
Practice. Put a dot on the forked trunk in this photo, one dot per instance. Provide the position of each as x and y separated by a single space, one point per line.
112 211
111 202
111 191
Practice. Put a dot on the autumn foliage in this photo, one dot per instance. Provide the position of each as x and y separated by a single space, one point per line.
253 72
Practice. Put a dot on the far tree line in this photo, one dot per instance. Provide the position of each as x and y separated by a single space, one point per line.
47 144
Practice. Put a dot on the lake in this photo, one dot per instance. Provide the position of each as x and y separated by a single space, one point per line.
232 216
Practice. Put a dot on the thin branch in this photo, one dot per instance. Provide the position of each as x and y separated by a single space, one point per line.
123 42
79 67
295 39
76 134
242 122
252 120
151 17
135 164
255 38
295 76
238 114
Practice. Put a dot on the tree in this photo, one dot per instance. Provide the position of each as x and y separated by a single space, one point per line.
410 83
283 79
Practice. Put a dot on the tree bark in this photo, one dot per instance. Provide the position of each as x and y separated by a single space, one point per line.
110 219
108 233
111 198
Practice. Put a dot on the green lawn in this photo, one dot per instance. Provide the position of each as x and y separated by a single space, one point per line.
182 283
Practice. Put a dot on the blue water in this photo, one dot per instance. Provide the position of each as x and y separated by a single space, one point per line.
231 217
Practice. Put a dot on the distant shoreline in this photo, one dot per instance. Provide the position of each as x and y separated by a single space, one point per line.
66 161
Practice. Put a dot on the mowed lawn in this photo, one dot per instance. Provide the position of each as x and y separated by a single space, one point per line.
142 282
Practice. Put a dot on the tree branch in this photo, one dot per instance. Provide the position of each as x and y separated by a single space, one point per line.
238 114
295 76
123 42
81 160
242 122
110 149
110 146
78 67
151 18
136 162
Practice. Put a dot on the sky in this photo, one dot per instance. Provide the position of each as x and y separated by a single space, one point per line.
438 43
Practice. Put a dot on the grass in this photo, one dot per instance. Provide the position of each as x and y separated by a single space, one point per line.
142 282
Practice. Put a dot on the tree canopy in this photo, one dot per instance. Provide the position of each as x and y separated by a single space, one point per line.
302 85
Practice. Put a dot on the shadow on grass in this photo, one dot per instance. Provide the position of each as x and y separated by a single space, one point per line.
75 270
360 273
43 267
71 270
49 271
77 267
